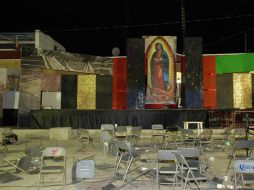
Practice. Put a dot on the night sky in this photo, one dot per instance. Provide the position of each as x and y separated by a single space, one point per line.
95 27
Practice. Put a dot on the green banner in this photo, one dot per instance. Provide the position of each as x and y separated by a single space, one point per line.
239 63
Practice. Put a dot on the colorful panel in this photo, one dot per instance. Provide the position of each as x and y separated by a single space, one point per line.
86 98
209 81
136 79
69 92
238 63
210 99
10 63
224 91
242 90
51 82
119 97
252 83
160 53
194 74
103 92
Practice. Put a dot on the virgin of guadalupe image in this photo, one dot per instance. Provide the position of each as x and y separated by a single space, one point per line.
159 65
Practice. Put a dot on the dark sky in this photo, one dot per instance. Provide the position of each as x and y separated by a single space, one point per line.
95 27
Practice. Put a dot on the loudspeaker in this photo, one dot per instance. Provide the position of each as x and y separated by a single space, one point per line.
83 169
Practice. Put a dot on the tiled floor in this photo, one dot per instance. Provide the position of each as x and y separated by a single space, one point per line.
217 162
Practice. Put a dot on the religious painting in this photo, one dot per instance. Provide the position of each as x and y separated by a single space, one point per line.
160 54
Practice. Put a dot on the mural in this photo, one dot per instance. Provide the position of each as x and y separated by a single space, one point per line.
160 55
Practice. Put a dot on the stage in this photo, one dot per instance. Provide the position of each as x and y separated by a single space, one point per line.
92 119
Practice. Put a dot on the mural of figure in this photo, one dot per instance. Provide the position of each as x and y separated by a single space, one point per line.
160 69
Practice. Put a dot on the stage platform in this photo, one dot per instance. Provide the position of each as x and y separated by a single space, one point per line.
92 119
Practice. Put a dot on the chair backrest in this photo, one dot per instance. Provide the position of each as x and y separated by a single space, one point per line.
107 132
82 132
181 160
107 127
135 131
206 134
120 129
240 131
124 147
54 152
106 136
228 130
157 127
187 134
244 144
190 152
187 131
166 155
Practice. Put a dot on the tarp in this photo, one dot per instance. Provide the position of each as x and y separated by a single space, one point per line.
65 61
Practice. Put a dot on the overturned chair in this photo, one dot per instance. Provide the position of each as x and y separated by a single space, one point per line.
127 156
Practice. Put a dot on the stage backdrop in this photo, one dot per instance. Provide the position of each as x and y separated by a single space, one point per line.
136 78
160 56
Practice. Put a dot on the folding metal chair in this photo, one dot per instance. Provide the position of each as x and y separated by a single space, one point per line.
244 171
205 139
225 136
193 158
165 165
84 138
188 137
158 131
239 134
107 136
244 145
120 132
127 156
186 174
134 135
172 141
53 161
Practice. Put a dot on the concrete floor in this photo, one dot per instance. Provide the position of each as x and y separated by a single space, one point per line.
217 161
